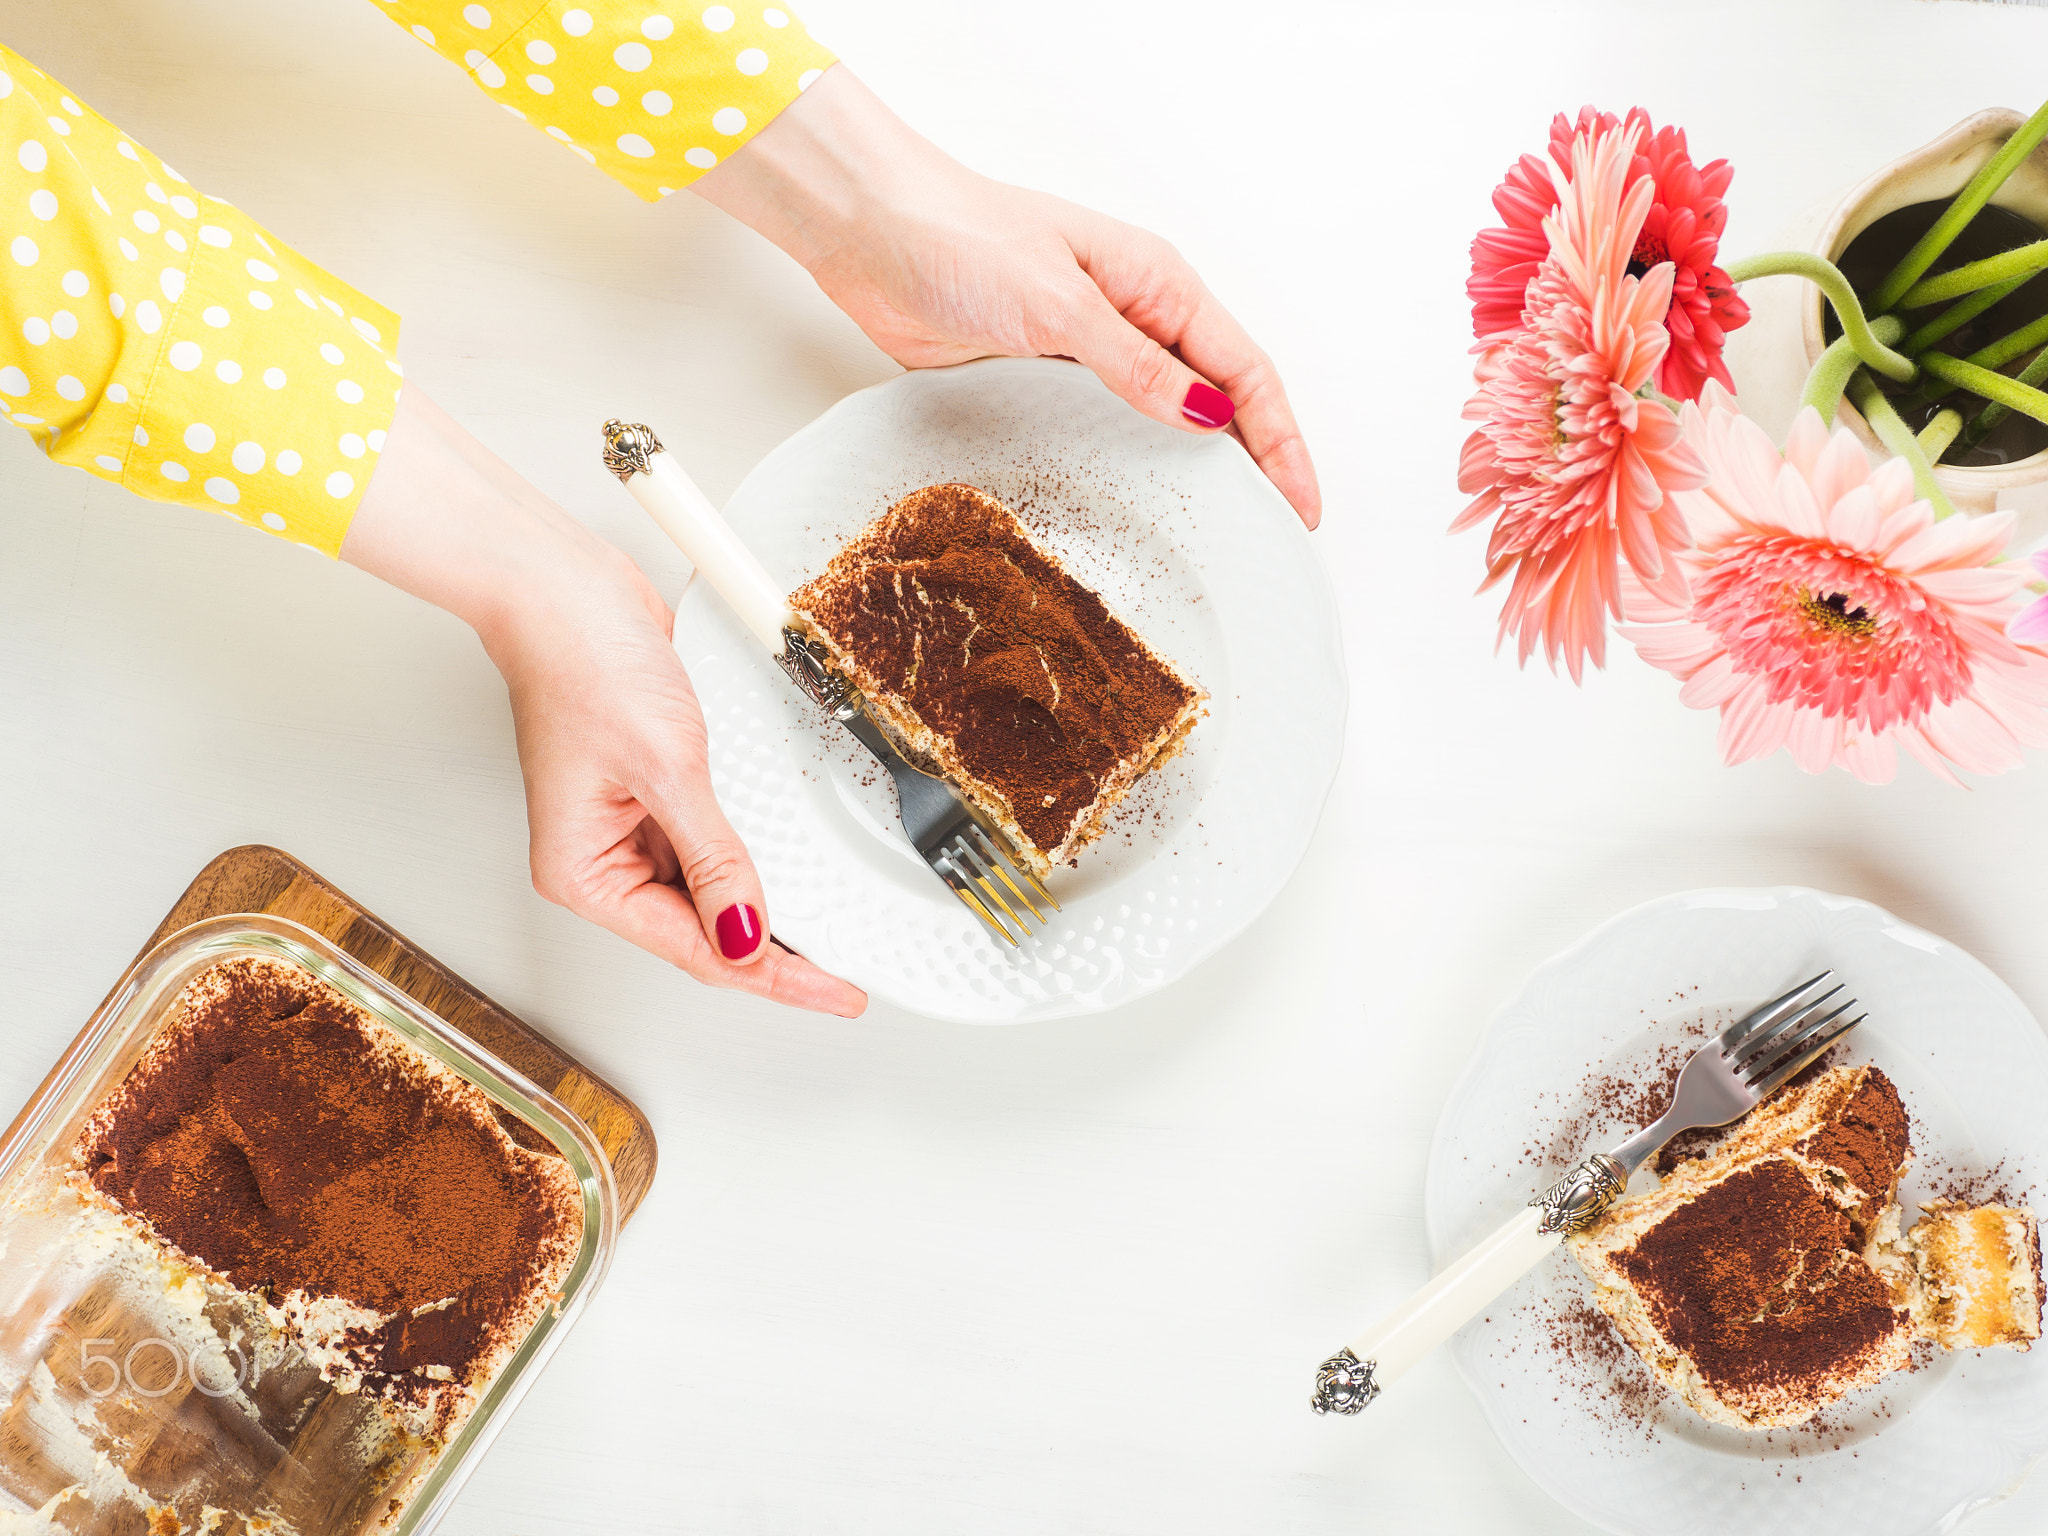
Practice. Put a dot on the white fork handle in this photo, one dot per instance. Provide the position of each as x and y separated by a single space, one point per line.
1457 1295
686 515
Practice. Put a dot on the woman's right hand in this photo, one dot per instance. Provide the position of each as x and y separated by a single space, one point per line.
624 827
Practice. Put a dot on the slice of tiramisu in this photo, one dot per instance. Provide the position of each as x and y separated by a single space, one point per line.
1768 1278
993 666
1741 1279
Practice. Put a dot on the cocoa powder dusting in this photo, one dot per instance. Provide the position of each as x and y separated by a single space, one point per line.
272 1139
1609 1103
1592 1359
1972 1184
1041 689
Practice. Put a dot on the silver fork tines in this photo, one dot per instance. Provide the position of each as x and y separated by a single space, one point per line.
974 858
1728 1076
1767 1069
988 882
1768 1016
988 866
1762 1044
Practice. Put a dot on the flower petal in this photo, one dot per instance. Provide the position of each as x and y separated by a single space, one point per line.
1807 440
1711 685
1798 513
1752 726
1930 759
1841 467
1955 541
1854 518
2030 625
1871 758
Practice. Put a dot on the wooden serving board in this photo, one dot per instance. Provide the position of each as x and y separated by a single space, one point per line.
256 878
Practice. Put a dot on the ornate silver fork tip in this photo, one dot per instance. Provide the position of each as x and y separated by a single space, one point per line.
1344 1384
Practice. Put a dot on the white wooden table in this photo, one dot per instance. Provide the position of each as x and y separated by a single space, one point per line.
899 1277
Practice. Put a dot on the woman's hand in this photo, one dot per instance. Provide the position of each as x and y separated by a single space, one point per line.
624 827
939 265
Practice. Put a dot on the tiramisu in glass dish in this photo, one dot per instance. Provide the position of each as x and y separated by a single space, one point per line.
281 1250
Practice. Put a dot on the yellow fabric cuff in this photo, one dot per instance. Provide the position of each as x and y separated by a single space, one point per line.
161 339
652 99
278 425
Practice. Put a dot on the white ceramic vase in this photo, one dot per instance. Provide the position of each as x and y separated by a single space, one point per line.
1771 356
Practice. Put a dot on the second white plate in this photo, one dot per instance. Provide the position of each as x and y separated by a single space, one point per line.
1187 540
1567 1066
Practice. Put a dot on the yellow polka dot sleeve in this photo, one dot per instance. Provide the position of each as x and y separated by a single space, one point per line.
653 96
159 338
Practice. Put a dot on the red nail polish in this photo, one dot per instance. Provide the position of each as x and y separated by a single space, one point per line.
739 931
1207 406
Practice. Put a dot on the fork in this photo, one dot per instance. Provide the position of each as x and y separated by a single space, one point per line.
962 847
1726 1077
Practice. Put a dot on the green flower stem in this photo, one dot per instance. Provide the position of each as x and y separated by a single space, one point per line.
1939 433
1966 309
1824 275
1893 432
1956 217
2006 348
2021 261
1830 377
2034 373
1837 365
1995 387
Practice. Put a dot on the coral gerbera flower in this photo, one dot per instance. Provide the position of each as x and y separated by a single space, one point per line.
1573 465
1504 260
1683 226
1833 616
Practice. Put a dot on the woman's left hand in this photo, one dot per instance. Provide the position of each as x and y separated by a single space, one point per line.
939 265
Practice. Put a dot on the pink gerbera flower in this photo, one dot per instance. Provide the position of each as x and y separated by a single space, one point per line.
1683 226
1833 616
1570 462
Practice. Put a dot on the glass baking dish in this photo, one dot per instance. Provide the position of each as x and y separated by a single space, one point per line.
41 1307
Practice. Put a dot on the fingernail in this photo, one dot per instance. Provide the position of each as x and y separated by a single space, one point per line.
739 931
1207 406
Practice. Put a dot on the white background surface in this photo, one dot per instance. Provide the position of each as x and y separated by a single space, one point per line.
897 1276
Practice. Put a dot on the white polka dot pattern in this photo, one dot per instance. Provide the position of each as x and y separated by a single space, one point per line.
162 395
652 92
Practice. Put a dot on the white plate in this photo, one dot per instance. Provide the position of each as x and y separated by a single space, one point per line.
1187 540
1912 1455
